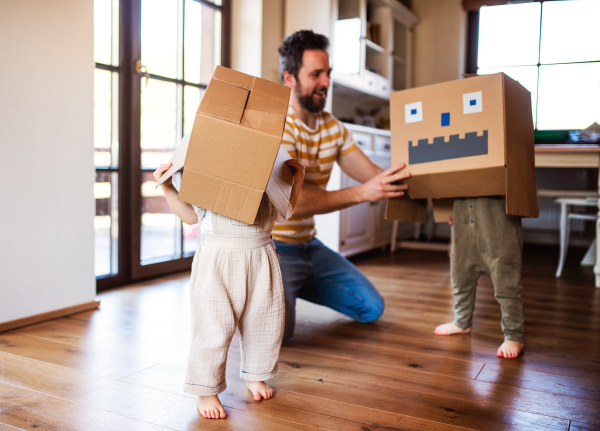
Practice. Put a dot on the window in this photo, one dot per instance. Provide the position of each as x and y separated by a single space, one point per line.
552 49
106 136
154 59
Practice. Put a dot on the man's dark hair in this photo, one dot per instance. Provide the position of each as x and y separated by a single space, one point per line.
292 50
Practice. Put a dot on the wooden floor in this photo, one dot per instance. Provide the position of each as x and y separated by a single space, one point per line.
122 367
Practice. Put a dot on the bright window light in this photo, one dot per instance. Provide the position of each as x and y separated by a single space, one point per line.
509 35
570 31
569 96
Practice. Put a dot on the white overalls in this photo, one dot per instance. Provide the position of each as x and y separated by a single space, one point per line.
235 282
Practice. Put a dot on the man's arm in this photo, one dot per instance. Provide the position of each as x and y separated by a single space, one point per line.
358 166
377 185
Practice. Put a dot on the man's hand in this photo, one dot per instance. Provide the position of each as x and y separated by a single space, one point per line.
161 170
297 169
381 186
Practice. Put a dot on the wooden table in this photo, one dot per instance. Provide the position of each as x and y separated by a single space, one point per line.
573 156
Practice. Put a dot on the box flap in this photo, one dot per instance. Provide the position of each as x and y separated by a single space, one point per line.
223 197
467 183
218 92
406 209
280 183
177 159
265 122
442 209
268 96
222 149
233 77
521 193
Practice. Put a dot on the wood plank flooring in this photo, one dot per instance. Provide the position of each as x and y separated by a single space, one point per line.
122 367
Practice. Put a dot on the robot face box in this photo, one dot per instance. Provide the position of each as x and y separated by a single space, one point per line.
451 126
469 137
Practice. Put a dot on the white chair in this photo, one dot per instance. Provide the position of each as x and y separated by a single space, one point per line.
565 225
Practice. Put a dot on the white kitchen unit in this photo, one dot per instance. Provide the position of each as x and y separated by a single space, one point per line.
361 227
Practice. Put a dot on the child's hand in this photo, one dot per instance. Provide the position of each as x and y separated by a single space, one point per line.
161 170
297 169
450 221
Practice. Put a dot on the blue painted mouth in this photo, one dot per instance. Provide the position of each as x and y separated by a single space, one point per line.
455 148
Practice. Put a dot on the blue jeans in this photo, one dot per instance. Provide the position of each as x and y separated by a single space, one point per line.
313 272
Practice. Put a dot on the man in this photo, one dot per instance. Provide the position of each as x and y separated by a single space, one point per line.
310 270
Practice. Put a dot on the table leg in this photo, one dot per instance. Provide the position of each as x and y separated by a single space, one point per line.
597 267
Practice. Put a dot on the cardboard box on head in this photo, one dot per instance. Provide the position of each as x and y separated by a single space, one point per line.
466 138
234 153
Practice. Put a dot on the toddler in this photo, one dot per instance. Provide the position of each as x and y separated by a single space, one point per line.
235 283
487 240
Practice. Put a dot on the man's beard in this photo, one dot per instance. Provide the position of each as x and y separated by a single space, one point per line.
307 101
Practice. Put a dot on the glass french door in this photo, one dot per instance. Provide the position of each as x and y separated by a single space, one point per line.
166 53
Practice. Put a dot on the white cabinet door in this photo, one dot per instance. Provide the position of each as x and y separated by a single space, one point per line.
382 228
355 224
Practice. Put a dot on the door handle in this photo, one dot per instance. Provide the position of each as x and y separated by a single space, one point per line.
141 69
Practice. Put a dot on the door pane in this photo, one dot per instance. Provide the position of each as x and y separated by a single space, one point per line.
106 123
102 117
159 37
161 228
192 40
211 43
106 223
191 98
106 31
568 96
190 238
158 122
509 35
568 29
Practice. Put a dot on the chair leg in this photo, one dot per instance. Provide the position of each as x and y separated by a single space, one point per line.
394 236
417 232
564 237
429 224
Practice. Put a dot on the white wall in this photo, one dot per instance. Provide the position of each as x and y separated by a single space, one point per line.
440 41
246 36
312 15
256 33
46 149
272 35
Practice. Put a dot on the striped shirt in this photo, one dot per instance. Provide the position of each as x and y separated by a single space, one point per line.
317 150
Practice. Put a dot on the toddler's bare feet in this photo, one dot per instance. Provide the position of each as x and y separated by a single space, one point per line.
510 349
260 390
449 329
211 407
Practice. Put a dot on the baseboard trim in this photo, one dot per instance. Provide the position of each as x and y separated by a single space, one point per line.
423 245
50 315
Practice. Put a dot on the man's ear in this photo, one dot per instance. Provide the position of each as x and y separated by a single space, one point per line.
289 79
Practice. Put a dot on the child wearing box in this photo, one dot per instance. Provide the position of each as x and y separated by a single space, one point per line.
487 240
235 282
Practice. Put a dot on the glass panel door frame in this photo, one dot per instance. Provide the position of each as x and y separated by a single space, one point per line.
129 170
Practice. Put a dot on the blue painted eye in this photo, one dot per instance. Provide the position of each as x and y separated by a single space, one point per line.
413 112
445 119
473 102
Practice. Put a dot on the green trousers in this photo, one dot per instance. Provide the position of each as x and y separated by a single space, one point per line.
486 240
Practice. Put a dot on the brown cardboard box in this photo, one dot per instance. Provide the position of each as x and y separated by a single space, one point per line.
234 153
465 138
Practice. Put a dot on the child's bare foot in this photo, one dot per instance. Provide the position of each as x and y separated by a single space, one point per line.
260 390
449 329
510 349
211 407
